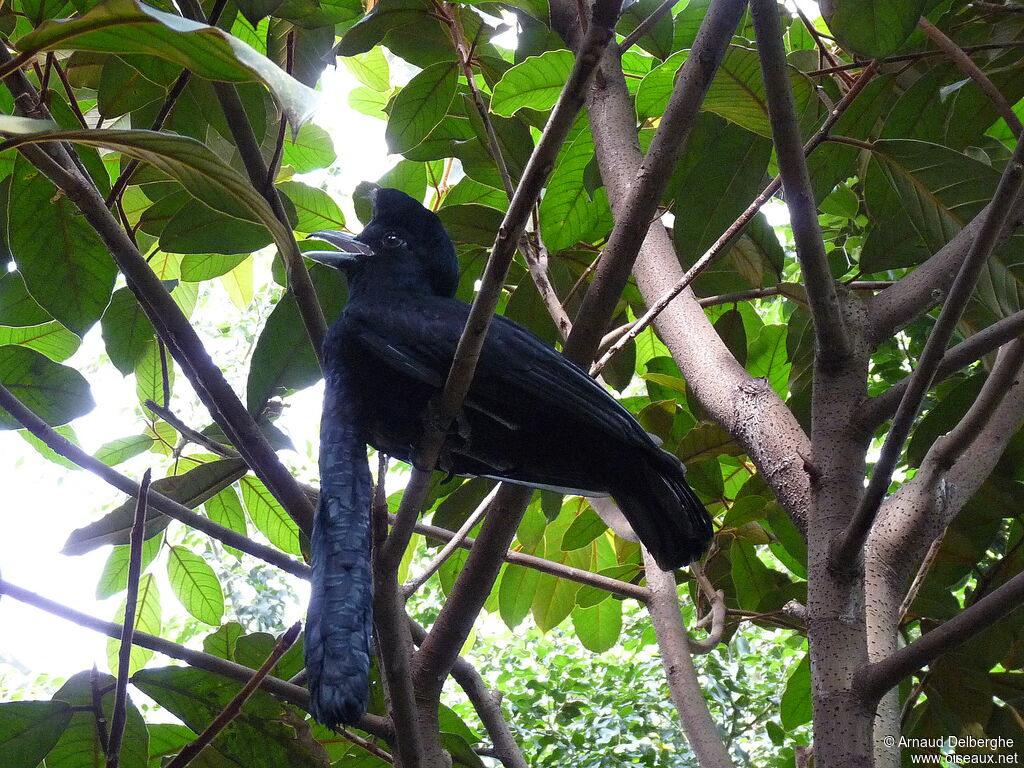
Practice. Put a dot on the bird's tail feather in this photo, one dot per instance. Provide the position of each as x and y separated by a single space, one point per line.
340 617
664 511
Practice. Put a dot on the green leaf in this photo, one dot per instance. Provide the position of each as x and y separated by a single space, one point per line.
55 393
283 359
658 40
29 730
127 26
598 627
207 178
371 69
114 578
79 746
127 331
535 83
932 188
567 211
767 359
471 223
261 735
586 527
269 516
147 619
52 339
198 229
122 449
196 267
65 264
226 509
385 16
124 89
190 489
17 307
752 578
516 594
315 208
470 191
420 106
311 149
196 585
872 28
47 452
796 699
369 102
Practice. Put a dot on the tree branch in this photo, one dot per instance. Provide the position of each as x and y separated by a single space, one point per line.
879 677
830 333
633 216
645 26
487 704
674 643
847 549
124 653
726 239
285 691
158 501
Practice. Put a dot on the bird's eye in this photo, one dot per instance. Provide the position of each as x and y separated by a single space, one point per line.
391 240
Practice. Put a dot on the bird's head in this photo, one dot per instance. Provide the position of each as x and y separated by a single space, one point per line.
404 247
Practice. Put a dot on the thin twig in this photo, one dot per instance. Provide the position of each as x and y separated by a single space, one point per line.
829 328
184 429
97 710
161 503
191 750
915 585
973 71
846 550
124 654
726 238
559 570
998 7
446 551
645 26
913 57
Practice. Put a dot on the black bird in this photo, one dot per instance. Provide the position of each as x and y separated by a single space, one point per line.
531 417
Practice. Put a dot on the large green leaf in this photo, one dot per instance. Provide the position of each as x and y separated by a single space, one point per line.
30 729
872 28
312 148
126 330
269 516
314 208
385 16
796 698
63 261
259 735
658 39
598 627
420 106
127 26
198 229
535 83
929 188
114 578
55 393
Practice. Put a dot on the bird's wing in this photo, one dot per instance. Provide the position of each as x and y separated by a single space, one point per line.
418 338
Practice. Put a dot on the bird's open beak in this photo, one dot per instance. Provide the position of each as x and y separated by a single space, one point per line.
350 251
